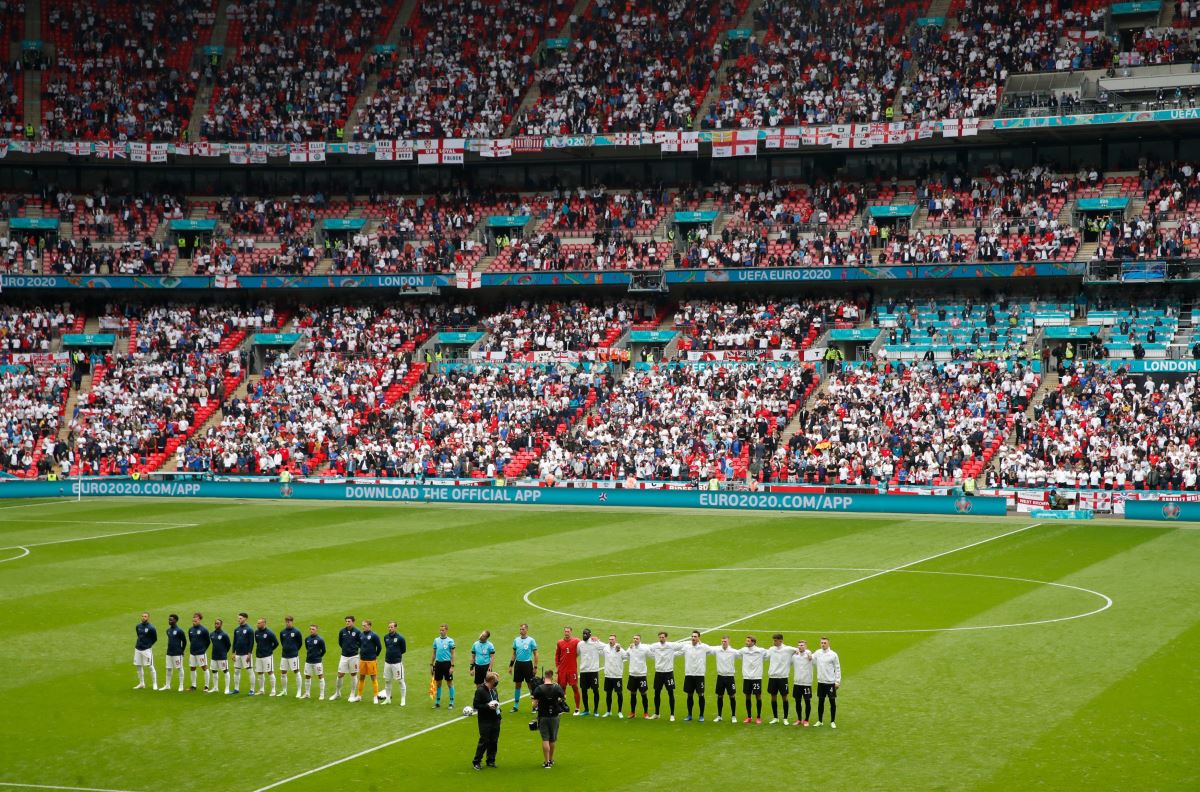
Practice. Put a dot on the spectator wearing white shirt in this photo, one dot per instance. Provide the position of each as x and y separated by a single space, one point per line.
829 679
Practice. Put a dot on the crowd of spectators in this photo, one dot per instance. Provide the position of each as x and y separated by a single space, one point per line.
390 254
33 329
1106 429
683 423
122 71
759 325
471 64
32 398
472 422
293 71
818 63
909 425
142 404
960 73
574 326
632 65
1149 238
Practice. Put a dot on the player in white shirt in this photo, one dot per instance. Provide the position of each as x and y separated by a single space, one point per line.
726 656
664 654
638 653
752 670
614 672
778 671
695 669
802 673
829 679
589 651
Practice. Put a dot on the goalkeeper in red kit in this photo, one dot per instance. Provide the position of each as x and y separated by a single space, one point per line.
566 661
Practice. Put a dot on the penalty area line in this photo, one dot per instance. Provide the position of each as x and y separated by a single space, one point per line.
881 572
372 749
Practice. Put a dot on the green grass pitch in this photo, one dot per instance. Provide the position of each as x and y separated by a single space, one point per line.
965 668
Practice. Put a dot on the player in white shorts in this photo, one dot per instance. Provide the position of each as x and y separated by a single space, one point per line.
314 655
243 651
198 643
265 644
291 641
143 652
176 645
394 647
220 643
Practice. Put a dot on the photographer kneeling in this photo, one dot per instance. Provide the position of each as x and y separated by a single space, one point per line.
548 704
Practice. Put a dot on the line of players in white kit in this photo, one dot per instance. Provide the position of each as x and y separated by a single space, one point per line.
785 665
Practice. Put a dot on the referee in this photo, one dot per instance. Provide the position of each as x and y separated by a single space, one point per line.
487 712
524 660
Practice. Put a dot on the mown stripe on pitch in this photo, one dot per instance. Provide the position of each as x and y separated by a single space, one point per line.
1017 683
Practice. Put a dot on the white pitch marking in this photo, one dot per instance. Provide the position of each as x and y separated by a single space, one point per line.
14 558
42 503
868 577
28 545
48 786
109 522
366 751
1107 600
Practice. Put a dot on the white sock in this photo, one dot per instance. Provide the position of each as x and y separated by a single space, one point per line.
337 687
283 689
387 688
322 694
141 671
251 681
153 676
193 677
273 683
403 692
299 682
307 685
228 681
207 677
169 675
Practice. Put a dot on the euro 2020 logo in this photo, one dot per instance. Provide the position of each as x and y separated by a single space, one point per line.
1170 511
963 505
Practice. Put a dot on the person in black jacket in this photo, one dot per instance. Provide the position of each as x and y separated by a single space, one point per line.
487 709
545 703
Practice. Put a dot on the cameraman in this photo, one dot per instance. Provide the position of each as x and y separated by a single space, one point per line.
547 704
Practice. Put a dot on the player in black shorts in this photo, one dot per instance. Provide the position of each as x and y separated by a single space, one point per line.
726 657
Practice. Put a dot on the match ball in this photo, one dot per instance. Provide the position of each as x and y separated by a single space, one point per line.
380 697
468 712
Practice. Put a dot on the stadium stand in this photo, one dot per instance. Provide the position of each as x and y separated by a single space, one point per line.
812 66
684 422
122 70
1109 430
921 424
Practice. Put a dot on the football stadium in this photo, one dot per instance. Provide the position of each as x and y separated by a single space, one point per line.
599 392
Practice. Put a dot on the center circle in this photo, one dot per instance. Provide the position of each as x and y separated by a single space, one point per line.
1105 602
